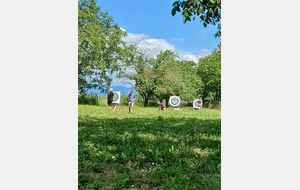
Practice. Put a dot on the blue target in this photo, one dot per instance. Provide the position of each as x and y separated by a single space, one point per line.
115 97
174 101
198 103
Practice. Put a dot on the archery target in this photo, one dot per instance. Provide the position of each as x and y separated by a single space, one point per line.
197 103
174 101
116 97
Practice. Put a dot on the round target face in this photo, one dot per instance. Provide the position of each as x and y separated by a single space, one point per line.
115 97
174 101
198 103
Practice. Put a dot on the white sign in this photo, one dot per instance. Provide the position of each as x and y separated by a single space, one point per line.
116 97
174 101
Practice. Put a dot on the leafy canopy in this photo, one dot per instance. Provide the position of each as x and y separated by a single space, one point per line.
193 83
160 76
209 11
141 73
209 69
100 46
169 80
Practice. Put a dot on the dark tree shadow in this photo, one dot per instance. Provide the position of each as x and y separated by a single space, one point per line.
188 146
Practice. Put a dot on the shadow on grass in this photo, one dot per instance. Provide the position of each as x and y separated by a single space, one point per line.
168 148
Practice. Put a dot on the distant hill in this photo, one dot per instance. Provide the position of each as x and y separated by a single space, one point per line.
124 90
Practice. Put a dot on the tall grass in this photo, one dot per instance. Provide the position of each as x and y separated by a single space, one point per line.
92 99
101 100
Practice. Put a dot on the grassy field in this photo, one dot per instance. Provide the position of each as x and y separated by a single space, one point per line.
148 149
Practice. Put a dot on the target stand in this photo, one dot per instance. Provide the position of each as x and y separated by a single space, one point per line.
117 99
197 104
174 101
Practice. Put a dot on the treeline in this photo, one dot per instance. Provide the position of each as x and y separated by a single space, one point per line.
166 75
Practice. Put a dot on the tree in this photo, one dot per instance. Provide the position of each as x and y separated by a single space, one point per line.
209 69
209 11
158 76
169 80
191 79
142 74
100 47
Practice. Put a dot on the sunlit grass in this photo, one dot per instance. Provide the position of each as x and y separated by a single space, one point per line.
149 149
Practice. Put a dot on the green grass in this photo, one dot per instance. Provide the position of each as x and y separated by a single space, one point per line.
148 149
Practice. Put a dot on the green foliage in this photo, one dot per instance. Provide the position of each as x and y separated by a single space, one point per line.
92 99
193 83
209 11
160 76
148 149
124 100
209 69
143 73
169 80
100 47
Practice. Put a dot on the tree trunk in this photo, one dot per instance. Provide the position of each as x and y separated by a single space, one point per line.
167 102
146 102
143 98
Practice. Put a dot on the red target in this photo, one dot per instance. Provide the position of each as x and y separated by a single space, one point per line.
197 103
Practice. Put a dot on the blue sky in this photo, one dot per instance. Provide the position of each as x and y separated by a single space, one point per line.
151 23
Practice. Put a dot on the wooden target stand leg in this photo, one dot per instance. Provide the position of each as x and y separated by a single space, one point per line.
117 106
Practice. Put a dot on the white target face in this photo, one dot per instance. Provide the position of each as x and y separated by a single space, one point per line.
197 103
174 101
116 97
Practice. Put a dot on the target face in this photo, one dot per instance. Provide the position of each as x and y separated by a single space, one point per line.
174 101
197 103
116 97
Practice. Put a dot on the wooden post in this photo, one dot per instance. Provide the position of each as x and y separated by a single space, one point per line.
119 108
169 103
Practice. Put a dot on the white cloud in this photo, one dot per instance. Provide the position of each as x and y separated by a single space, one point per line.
132 39
155 46
143 40
179 39
121 82
193 56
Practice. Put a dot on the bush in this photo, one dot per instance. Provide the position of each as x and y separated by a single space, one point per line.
92 99
124 100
